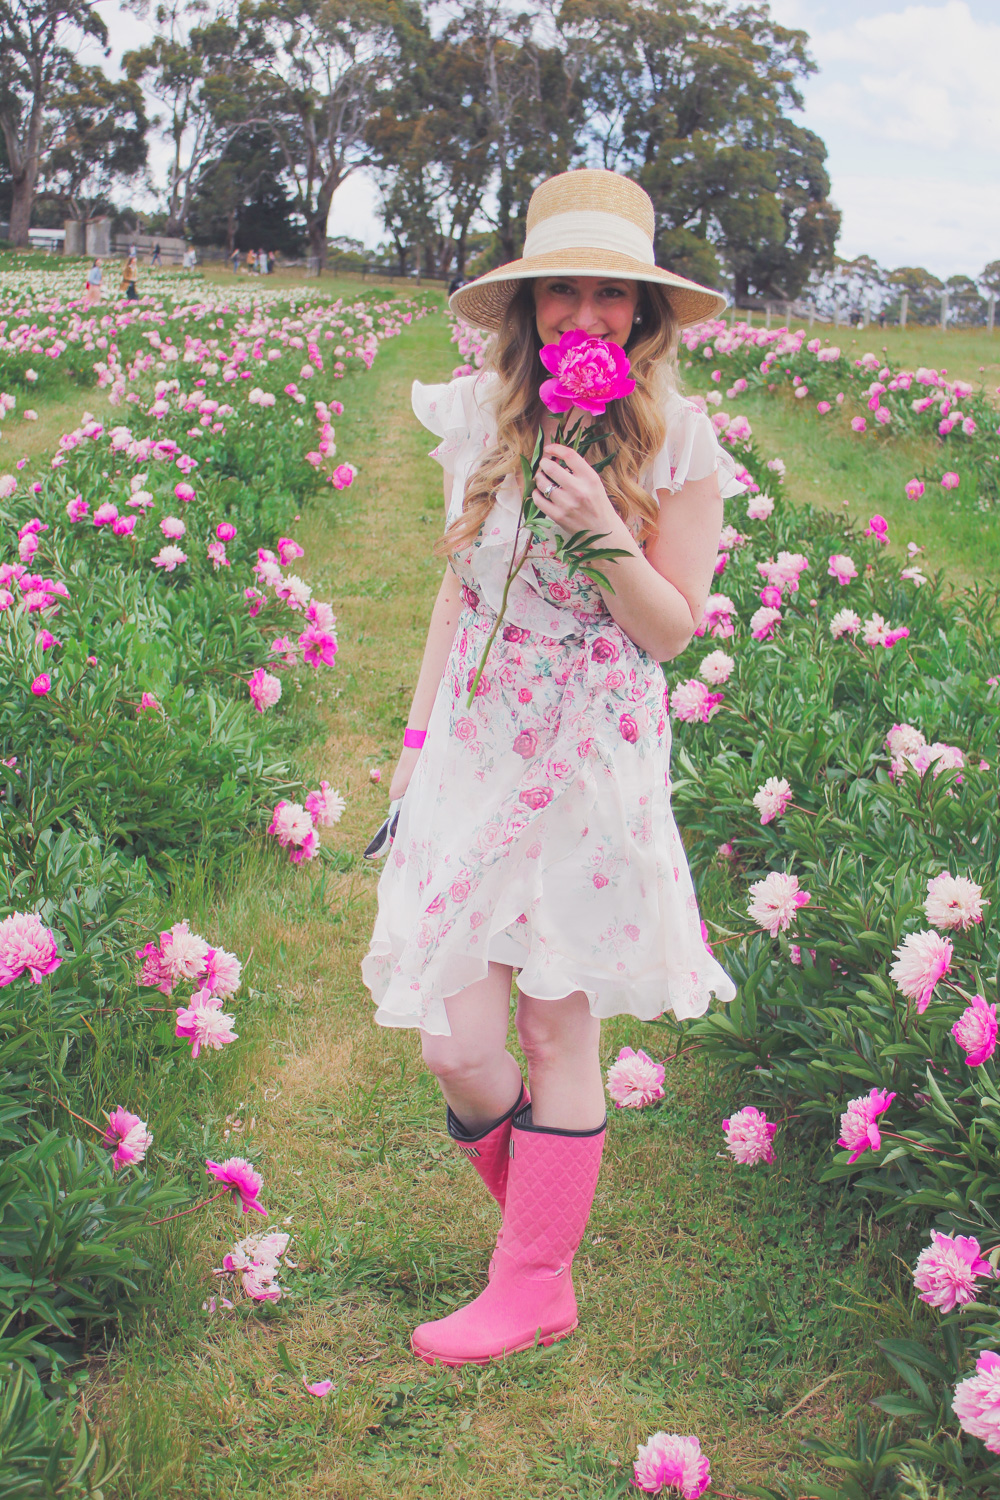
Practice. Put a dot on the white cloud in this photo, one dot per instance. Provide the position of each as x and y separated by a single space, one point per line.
946 226
925 76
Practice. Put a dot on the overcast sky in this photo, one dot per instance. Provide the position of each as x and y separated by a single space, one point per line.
907 99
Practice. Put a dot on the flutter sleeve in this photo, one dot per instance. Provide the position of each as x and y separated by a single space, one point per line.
453 413
691 450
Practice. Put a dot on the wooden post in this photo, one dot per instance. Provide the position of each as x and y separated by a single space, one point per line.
944 309
991 308
812 313
904 307
767 315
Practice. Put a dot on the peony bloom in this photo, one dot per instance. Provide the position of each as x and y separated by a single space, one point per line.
635 1080
169 558
975 1031
749 1135
155 972
319 647
759 507
221 975
149 705
859 424
343 476
878 527
588 373
671 1462
858 1130
217 555
26 944
946 1271
976 1402
237 1173
324 806
845 622
717 668
772 798
289 550
225 531
77 508
921 960
184 952
293 827
914 489
204 1024
265 690
903 739
105 514
763 622
42 684
129 1136
184 493
691 701
953 901
841 567
172 527
775 900
950 480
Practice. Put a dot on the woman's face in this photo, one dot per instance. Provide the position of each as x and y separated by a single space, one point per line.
597 305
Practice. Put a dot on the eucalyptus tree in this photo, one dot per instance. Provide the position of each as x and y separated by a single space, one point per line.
97 138
40 40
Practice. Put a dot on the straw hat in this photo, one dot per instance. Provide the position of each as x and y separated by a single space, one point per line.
585 223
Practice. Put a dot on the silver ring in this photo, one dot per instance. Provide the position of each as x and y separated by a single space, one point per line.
548 492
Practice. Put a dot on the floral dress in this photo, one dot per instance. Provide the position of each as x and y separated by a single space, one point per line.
536 829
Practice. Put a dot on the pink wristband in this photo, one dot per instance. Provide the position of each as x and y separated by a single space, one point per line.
413 739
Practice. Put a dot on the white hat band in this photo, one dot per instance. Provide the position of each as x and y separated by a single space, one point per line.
590 229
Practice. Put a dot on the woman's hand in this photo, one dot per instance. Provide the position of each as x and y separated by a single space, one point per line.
577 499
401 775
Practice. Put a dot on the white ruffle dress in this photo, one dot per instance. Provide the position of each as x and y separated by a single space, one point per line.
536 829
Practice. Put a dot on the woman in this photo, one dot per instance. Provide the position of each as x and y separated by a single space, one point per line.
535 833
130 271
95 276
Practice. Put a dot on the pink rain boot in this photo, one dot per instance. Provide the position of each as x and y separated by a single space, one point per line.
489 1153
530 1298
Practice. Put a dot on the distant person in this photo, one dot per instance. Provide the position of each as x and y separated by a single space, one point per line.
262 262
235 260
133 251
95 276
455 283
882 319
157 259
130 271
251 260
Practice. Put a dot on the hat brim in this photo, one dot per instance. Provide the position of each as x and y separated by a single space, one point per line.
483 302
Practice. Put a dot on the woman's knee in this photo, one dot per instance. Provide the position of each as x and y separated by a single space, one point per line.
451 1060
551 1030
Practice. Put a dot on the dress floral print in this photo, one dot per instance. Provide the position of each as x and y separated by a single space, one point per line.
537 829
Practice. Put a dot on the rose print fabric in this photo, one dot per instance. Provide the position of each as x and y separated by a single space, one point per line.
537 829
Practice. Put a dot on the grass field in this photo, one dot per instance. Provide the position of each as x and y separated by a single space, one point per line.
741 1306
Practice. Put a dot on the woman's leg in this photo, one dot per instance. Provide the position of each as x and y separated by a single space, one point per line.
478 1076
561 1042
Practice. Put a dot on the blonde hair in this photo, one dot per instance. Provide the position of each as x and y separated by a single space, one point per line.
636 425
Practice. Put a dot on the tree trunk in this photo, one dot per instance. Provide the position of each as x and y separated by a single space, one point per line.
316 227
21 205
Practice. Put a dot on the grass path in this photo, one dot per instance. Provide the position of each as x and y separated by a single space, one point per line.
731 1304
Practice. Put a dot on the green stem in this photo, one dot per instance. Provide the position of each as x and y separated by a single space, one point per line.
499 621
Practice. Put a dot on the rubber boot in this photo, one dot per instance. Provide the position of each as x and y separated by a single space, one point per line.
530 1299
489 1153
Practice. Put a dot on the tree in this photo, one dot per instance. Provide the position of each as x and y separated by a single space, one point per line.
98 136
320 69
692 98
850 286
241 201
190 70
989 277
923 292
40 38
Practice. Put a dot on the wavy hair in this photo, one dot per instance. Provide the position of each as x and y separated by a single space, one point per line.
635 426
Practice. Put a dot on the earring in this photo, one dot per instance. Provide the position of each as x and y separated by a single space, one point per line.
637 320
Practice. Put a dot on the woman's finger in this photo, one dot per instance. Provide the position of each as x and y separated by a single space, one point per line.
575 462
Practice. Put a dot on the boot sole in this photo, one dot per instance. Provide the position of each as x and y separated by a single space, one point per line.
454 1363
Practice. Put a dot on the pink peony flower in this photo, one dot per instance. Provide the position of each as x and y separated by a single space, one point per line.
858 1130
671 1462
42 684
155 972
635 1080
77 508
749 1135
260 1281
845 622
319 647
976 1402
921 960
903 739
878 527
775 900
173 527
225 531
691 702
859 424
169 558
289 550
292 826
130 1137
726 852
221 975
717 668
125 525
265 690
772 798
343 476
149 704
975 1031
950 480
841 567
184 952
947 1269
760 507
953 901
204 1024
217 554
184 492
26 944
763 622
914 489
325 806
105 514
588 373
237 1173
